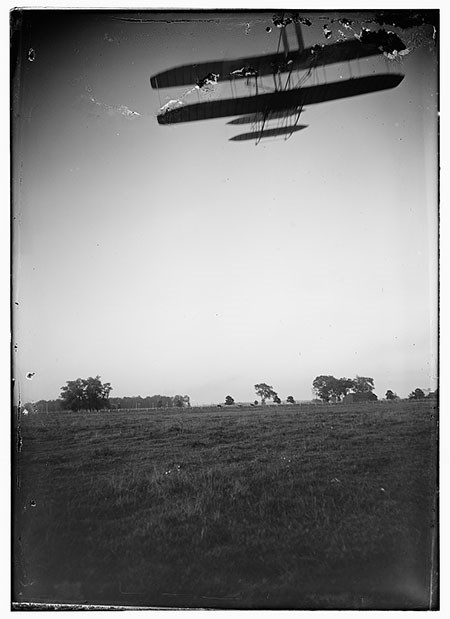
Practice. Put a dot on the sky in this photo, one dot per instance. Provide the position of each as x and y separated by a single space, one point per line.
171 260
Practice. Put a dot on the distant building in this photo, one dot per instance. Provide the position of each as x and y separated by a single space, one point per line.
367 396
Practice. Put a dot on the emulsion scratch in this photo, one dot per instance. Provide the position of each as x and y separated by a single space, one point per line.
147 20
19 441
113 110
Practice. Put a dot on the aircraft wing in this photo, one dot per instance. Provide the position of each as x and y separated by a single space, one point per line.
267 133
190 74
258 117
282 100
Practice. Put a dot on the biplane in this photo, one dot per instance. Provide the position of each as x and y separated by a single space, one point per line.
292 84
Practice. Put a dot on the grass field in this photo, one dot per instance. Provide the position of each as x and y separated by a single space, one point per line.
288 507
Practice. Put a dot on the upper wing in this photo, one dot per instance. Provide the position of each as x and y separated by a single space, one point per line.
265 65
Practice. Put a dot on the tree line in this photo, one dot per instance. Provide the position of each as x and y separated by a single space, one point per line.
150 401
329 389
326 388
265 392
92 395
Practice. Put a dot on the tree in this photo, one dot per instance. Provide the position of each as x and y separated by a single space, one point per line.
178 401
390 395
363 384
265 392
256 402
73 395
417 394
290 399
85 394
344 385
97 394
331 389
276 399
229 401
322 386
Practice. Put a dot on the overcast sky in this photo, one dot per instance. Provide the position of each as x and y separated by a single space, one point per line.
168 259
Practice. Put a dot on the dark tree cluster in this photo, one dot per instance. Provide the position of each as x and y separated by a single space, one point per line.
85 394
330 389
419 394
391 395
90 394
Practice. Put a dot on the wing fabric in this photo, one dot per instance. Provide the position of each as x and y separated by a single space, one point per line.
240 68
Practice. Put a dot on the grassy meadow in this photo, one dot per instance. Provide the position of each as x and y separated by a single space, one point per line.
302 507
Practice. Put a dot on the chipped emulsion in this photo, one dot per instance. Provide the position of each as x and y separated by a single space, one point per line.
388 43
204 84
170 105
209 80
347 23
327 33
112 110
246 71
281 22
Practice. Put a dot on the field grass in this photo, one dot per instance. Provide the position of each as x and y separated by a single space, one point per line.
301 507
